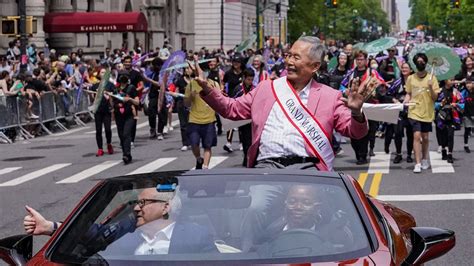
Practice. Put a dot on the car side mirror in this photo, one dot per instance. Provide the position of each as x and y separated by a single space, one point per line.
429 243
16 250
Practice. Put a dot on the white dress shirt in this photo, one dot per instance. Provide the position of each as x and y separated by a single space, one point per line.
159 244
279 137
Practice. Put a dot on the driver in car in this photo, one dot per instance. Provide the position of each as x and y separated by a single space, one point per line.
158 231
305 209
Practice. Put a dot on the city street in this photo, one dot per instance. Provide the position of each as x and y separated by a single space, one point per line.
52 173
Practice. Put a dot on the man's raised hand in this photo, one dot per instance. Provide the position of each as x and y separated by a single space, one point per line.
36 224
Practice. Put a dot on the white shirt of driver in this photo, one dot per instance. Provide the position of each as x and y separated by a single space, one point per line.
279 137
159 244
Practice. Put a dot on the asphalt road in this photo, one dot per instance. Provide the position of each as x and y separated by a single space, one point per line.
53 173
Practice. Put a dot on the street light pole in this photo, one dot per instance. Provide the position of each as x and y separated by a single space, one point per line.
23 37
257 22
222 25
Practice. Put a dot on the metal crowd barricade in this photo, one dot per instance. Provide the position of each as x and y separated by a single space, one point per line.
8 115
24 118
81 103
49 112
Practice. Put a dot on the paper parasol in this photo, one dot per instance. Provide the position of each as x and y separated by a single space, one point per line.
380 45
442 61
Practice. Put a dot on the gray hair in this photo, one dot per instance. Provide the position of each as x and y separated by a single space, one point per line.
317 51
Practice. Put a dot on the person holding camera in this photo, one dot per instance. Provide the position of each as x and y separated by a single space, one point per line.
449 105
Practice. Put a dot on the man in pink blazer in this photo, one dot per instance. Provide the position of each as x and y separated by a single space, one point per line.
278 141
325 103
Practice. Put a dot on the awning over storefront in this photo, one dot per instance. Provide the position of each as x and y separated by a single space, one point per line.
95 22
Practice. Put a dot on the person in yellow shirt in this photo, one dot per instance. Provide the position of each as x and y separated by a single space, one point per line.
201 125
422 90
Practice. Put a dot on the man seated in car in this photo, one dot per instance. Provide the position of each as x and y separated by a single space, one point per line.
158 231
305 208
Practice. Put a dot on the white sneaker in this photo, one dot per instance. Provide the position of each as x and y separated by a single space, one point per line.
165 130
184 148
425 164
132 145
160 137
170 128
417 168
241 147
33 116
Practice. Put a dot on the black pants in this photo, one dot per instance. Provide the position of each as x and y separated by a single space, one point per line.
219 124
162 119
397 132
106 120
152 111
183 116
446 137
361 146
134 130
467 132
245 135
124 130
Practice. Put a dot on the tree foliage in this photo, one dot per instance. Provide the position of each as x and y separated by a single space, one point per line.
441 19
338 23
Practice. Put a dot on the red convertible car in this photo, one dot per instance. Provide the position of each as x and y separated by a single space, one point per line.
233 217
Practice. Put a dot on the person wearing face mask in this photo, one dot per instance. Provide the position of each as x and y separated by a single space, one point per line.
422 89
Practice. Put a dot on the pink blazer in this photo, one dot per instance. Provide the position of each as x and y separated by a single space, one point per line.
323 101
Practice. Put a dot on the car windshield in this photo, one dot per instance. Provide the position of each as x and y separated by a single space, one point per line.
173 216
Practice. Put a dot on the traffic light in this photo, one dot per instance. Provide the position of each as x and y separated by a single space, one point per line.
9 26
334 3
456 3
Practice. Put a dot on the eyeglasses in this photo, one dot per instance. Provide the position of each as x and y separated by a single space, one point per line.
305 203
143 202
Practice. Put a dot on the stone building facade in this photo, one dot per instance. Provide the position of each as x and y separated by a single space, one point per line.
239 21
171 20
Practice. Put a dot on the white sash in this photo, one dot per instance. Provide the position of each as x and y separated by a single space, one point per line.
304 121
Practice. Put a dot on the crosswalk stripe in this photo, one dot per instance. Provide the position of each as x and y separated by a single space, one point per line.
153 166
89 172
438 165
8 170
427 197
34 175
362 179
374 187
215 160
380 163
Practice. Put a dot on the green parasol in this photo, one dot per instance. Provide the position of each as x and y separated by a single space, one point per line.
332 64
100 91
380 45
358 46
444 63
246 44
